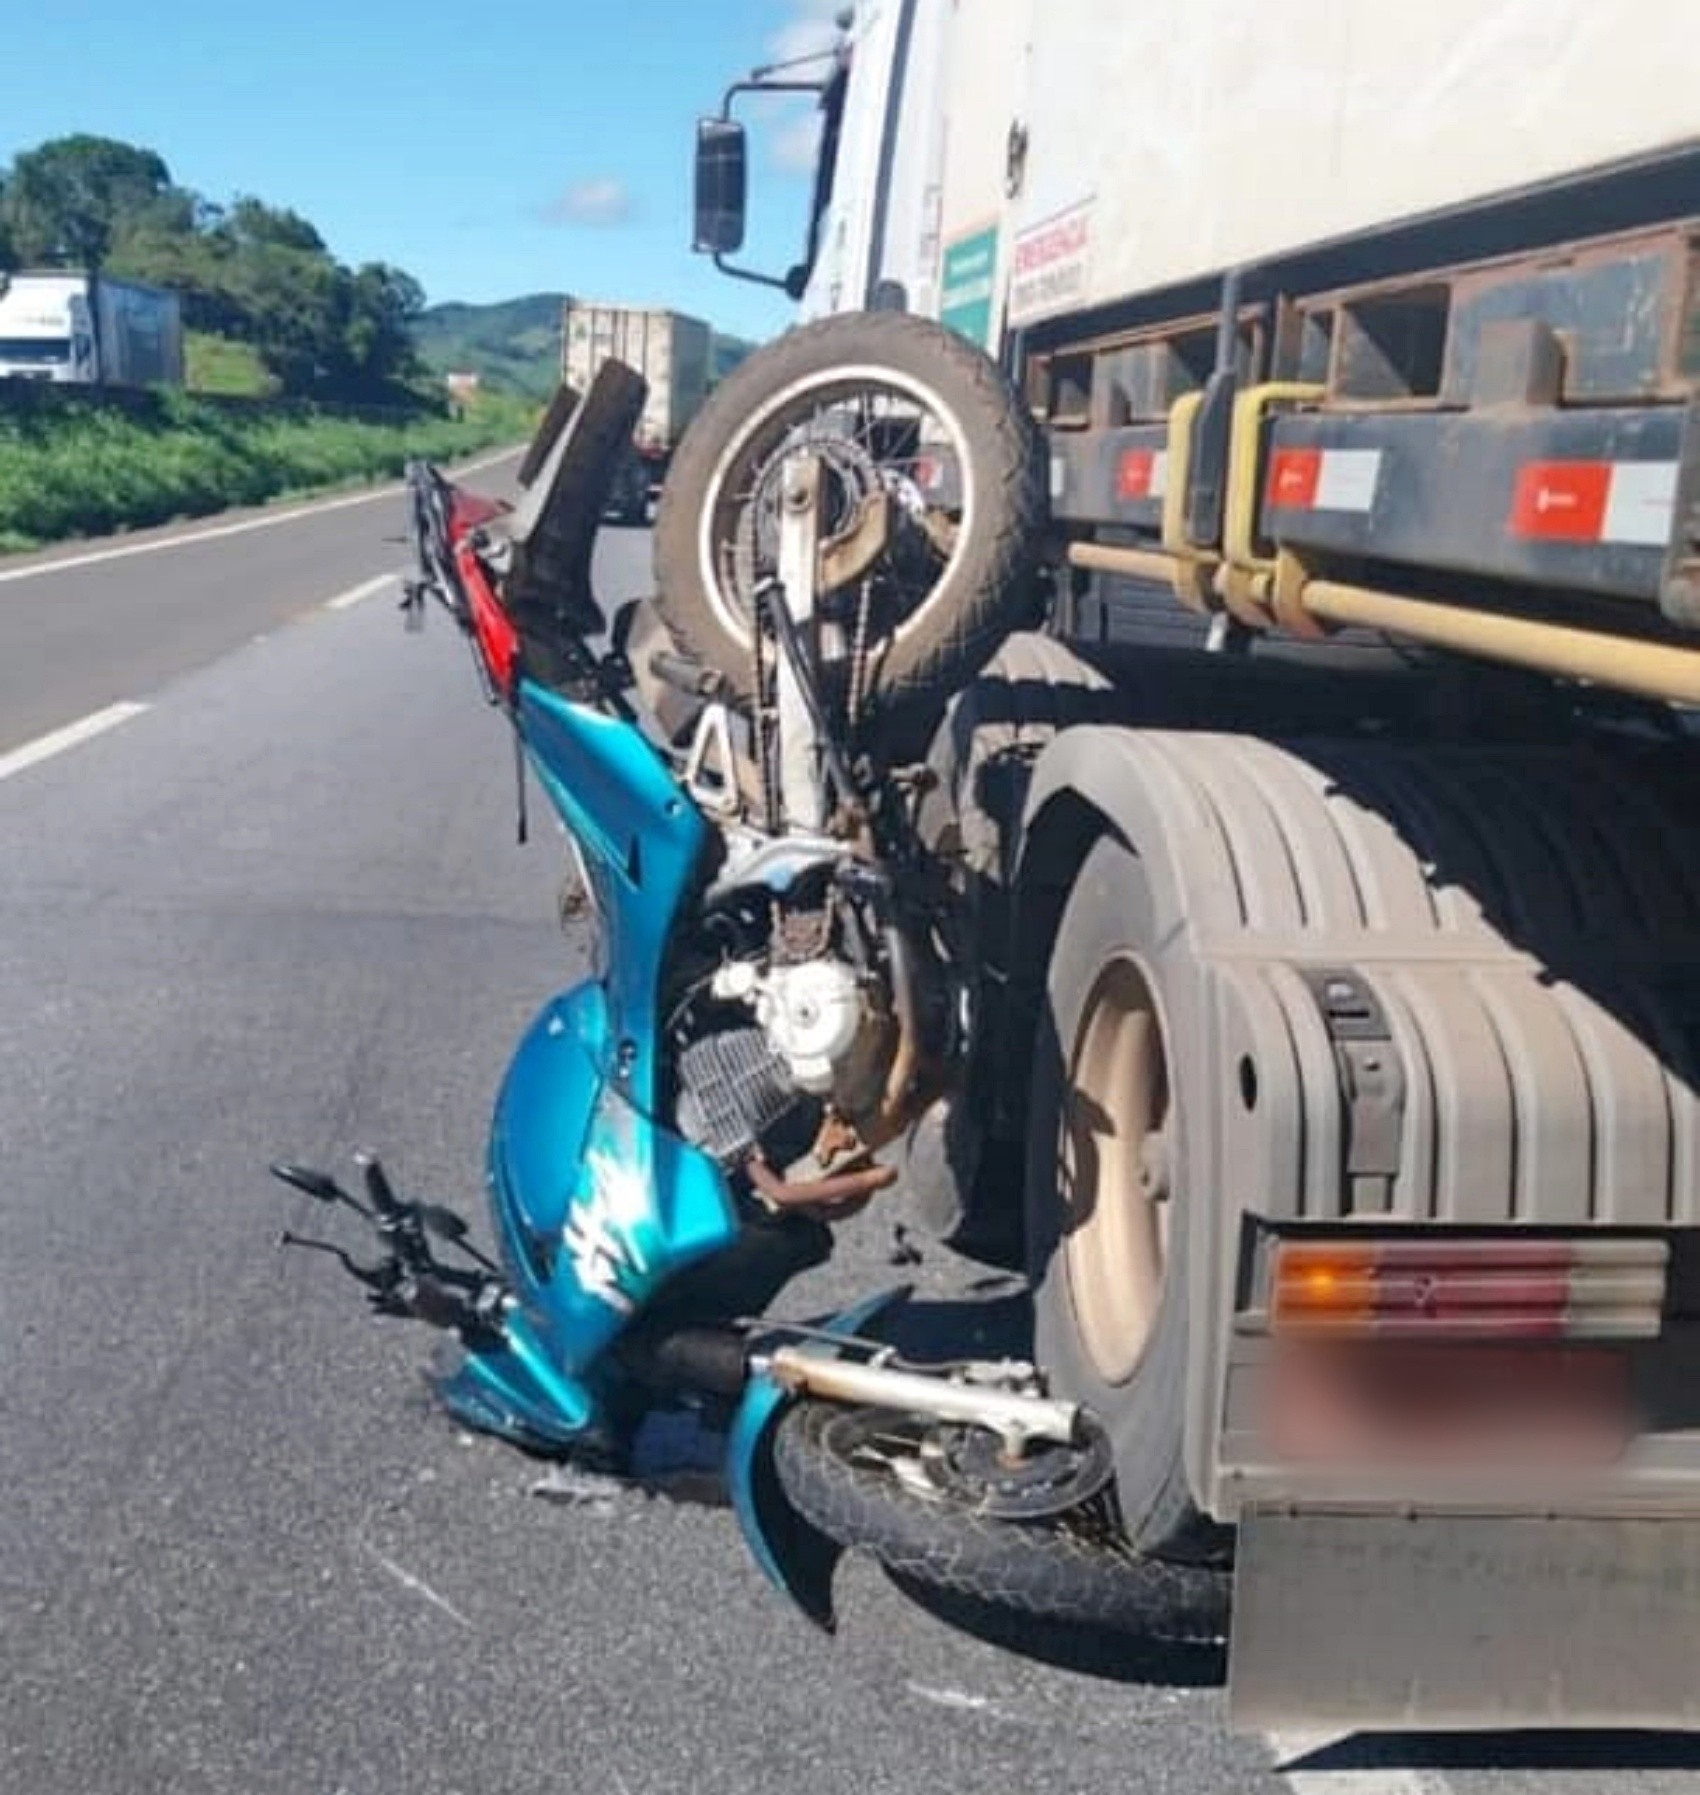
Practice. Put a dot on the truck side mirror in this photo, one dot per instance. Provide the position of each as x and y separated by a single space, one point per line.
721 181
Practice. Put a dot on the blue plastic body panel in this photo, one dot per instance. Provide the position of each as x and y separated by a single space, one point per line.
796 1557
595 1205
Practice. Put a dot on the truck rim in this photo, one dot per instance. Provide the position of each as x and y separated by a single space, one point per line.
1114 1166
794 407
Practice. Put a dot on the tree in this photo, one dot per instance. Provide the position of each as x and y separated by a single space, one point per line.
252 221
295 305
65 200
384 304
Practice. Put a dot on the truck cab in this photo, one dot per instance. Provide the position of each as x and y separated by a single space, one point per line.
869 241
47 330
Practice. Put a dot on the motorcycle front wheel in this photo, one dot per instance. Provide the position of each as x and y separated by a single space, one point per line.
857 1475
901 414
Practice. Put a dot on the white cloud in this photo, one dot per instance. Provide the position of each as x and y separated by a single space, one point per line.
604 200
793 145
789 130
810 29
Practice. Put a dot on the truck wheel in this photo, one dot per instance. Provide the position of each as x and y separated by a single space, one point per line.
1106 1250
904 413
963 1182
851 1475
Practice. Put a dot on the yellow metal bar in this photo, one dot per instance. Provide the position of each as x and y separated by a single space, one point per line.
1245 462
1650 669
1183 414
1132 563
1190 569
1240 586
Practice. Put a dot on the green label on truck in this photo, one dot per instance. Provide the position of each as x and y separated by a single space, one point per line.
965 288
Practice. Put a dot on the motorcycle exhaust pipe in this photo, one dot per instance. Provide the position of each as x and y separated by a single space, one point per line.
717 1361
1019 1420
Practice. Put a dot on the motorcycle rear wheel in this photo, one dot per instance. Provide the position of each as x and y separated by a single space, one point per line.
1067 1571
887 400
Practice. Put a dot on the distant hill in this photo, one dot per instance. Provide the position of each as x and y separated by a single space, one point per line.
513 346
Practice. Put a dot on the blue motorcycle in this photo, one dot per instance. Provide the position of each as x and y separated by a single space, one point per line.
776 997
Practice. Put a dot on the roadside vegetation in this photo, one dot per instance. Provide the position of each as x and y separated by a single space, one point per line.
301 372
77 467
229 369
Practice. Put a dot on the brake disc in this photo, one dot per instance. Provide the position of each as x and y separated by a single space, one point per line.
970 1466
973 1466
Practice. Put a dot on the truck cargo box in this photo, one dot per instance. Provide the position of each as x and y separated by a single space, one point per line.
1170 144
670 351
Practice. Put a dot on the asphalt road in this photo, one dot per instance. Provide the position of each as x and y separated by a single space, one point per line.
280 911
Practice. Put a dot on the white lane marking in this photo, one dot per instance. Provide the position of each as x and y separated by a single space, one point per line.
85 729
366 589
188 539
1367 1780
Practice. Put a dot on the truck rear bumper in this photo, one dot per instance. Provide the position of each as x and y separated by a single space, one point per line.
1361 1622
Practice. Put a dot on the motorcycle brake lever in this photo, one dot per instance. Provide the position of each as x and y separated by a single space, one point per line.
381 1277
446 1225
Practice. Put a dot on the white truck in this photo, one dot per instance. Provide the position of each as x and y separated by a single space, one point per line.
89 330
672 352
1329 850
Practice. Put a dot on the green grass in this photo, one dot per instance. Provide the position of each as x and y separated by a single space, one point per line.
214 364
77 467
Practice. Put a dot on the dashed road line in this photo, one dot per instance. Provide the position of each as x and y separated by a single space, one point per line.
345 601
85 729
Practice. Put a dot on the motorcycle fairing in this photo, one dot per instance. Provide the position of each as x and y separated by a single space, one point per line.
796 1557
596 1205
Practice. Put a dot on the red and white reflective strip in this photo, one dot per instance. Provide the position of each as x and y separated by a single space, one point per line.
1323 479
1142 474
1595 501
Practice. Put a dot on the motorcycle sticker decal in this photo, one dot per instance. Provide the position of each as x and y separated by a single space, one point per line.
598 1235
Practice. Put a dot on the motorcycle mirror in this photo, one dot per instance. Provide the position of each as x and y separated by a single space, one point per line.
314 1183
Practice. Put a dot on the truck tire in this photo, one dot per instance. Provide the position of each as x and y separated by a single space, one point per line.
1051 1571
962 1182
943 609
1106 1172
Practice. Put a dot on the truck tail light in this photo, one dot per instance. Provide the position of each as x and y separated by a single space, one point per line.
1466 1289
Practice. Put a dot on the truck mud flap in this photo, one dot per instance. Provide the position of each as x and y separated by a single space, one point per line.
1378 1622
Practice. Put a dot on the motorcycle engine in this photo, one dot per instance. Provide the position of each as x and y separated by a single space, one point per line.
818 1038
816 1017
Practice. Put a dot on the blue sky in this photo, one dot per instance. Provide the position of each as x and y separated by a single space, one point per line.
517 147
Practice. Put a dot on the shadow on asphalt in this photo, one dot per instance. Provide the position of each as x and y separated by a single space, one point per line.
1091 1651
1532 1750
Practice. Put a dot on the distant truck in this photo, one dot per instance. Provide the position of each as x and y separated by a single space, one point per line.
673 353
89 330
